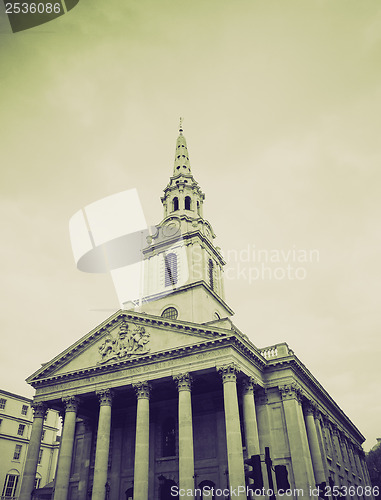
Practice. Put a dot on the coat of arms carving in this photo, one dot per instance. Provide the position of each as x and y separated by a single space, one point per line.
129 342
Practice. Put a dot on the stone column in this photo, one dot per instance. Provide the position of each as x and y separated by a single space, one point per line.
103 445
233 429
364 466
297 437
335 437
39 412
186 457
319 431
353 461
86 451
250 417
66 449
143 391
317 462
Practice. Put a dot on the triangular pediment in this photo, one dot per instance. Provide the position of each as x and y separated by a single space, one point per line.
125 337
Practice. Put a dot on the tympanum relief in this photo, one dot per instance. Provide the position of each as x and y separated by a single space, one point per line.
131 340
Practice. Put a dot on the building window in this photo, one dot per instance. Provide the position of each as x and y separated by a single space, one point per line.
21 430
37 482
10 486
17 453
211 283
175 203
207 487
170 262
165 489
24 409
188 203
170 313
43 435
129 494
40 457
2 403
169 437
198 208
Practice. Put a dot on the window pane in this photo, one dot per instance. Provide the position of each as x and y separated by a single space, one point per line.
170 313
170 264
2 403
17 452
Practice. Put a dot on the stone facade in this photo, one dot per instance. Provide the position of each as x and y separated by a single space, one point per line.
16 438
172 394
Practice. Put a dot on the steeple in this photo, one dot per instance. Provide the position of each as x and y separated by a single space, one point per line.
182 196
182 165
182 265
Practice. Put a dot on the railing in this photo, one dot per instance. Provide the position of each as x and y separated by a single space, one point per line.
276 351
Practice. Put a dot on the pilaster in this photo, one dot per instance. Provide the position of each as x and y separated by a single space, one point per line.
291 395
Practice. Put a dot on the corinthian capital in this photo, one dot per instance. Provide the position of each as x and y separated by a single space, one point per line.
105 397
228 372
143 390
291 391
71 403
249 384
310 407
39 409
183 381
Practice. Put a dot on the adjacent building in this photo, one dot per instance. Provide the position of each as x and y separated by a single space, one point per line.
169 398
16 417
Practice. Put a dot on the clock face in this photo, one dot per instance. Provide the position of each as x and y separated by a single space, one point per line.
171 228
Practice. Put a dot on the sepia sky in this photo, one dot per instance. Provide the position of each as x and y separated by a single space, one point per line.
281 103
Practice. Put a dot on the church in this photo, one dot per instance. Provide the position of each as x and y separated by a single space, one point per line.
169 399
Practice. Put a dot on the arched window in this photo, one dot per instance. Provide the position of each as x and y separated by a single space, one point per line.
175 203
10 484
129 494
208 487
187 203
168 434
211 282
170 264
170 313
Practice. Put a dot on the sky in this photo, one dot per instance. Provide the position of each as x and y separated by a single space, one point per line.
281 104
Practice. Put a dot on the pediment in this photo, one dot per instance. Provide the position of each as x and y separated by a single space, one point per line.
122 338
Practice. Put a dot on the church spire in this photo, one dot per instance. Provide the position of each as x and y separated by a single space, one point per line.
182 196
182 165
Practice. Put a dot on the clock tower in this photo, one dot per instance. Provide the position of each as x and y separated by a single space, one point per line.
183 275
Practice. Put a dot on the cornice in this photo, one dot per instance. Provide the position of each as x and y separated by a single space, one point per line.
185 288
316 388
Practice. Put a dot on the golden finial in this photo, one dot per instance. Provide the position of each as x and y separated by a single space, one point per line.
181 124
